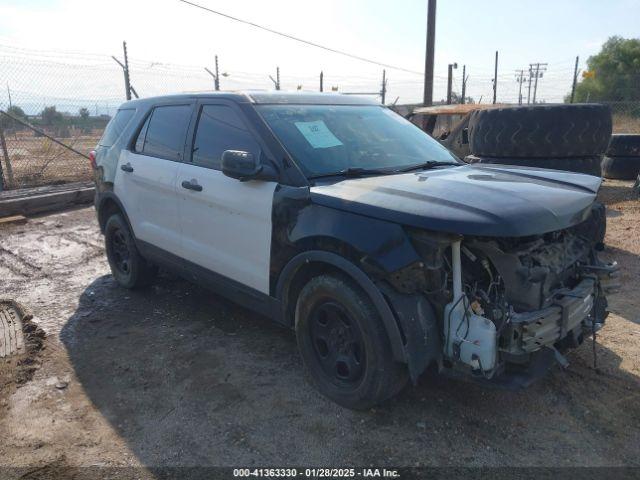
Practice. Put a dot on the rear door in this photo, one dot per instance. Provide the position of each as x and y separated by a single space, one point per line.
146 176
226 224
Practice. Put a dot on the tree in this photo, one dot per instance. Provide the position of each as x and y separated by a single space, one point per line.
14 111
50 115
613 74
84 113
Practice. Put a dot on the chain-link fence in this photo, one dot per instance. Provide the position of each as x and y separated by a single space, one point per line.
57 104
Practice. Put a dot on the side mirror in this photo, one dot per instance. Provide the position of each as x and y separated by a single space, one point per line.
245 166
239 164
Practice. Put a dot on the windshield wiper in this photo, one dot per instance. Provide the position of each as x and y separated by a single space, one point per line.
355 172
427 166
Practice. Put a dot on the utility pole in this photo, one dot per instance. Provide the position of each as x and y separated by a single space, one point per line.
495 79
450 68
464 83
575 79
321 81
520 79
540 68
383 89
276 81
529 87
428 62
125 68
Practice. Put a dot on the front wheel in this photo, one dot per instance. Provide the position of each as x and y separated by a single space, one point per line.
344 345
127 265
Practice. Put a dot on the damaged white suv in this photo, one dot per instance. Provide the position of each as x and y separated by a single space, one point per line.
338 218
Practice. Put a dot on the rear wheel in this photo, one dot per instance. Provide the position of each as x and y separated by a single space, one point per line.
344 345
127 265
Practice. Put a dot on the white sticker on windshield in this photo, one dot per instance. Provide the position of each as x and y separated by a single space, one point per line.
317 134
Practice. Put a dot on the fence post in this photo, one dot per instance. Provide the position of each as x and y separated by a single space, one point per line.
7 162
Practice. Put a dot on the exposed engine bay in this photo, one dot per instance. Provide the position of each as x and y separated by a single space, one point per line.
501 300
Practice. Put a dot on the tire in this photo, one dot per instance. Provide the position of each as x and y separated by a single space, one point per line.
621 168
576 130
587 165
624 145
344 345
127 265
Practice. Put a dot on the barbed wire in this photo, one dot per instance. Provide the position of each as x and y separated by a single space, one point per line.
71 95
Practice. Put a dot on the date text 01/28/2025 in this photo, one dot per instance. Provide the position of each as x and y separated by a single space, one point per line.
316 472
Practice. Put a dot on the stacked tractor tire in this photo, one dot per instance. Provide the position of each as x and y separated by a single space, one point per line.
622 159
570 137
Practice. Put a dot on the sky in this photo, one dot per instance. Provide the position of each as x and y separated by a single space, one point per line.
170 43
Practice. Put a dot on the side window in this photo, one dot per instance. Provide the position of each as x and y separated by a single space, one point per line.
116 126
220 129
163 134
139 146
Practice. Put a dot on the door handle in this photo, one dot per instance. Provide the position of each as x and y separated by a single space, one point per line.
126 167
191 185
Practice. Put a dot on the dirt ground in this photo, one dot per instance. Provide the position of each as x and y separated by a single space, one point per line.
176 376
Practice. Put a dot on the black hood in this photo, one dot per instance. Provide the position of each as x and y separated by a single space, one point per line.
488 200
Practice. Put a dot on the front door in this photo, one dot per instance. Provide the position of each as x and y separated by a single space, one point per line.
226 224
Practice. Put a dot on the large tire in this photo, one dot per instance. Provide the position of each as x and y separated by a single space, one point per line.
344 345
587 165
575 130
624 145
127 265
621 168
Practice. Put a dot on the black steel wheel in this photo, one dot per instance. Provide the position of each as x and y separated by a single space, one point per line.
120 252
337 343
127 265
344 345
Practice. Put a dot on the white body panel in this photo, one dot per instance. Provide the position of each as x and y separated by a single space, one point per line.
149 196
227 226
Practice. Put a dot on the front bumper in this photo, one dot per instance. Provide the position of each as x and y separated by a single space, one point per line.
531 331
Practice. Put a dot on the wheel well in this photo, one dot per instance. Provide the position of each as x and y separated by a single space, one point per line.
301 277
311 264
107 208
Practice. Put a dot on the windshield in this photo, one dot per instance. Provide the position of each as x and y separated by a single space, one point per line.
325 139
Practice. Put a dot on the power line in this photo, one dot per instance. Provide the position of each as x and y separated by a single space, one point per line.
297 39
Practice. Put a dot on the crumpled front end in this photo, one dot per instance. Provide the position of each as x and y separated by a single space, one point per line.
509 307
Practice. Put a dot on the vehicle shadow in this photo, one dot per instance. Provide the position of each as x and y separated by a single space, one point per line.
613 192
189 379
627 302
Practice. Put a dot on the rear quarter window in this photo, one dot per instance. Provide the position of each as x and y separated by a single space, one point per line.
116 126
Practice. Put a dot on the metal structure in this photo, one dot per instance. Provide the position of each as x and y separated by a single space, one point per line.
276 81
536 70
128 88
520 78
